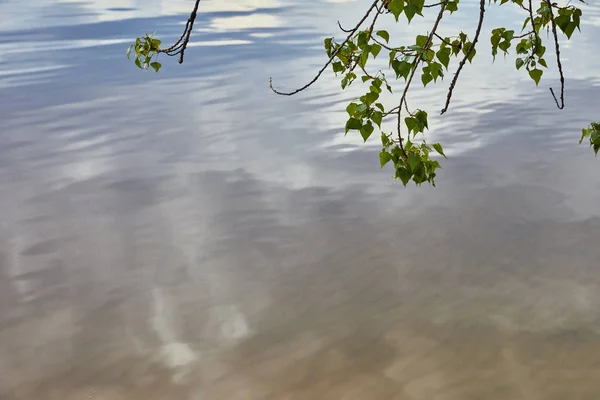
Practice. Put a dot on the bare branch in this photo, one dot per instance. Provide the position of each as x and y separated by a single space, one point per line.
523 35
335 53
181 44
443 40
434 5
342 29
560 105
466 57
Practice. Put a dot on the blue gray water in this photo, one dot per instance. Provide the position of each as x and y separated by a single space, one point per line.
190 235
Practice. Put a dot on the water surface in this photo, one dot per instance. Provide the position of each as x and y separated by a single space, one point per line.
190 235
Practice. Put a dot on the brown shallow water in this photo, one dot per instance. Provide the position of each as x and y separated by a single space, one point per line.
190 236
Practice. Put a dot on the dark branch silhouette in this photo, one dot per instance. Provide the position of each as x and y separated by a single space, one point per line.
466 57
418 59
179 47
560 70
333 55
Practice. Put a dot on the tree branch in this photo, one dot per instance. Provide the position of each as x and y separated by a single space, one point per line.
181 44
466 57
560 70
335 53
414 69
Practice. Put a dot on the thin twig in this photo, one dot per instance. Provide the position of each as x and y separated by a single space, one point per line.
333 55
466 57
443 40
191 20
560 70
537 38
342 28
523 35
181 44
385 46
414 69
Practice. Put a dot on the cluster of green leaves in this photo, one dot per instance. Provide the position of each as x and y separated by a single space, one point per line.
428 57
412 161
530 50
431 54
410 157
592 133
365 114
410 8
146 48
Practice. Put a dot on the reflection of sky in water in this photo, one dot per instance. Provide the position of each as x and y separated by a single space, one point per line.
259 39
187 212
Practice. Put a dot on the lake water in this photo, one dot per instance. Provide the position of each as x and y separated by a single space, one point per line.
190 235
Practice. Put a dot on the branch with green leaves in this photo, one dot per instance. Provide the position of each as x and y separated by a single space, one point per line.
428 57
147 48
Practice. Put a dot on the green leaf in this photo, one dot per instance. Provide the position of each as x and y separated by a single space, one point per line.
129 52
562 21
444 56
385 140
410 11
508 35
435 69
363 38
377 116
402 68
366 131
353 123
439 149
585 133
542 62
413 125
137 63
468 47
421 41
519 63
371 98
328 44
338 67
396 7
364 57
421 116
536 75
156 66
375 49
403 174
414 161
384 158
452 6
426 78
569 29
351 109
384 35
429 55
361 108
